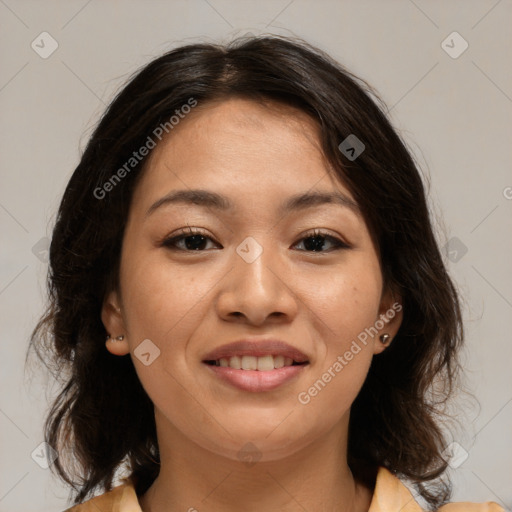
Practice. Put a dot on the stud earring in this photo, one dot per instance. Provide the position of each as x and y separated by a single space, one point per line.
385 338
117 338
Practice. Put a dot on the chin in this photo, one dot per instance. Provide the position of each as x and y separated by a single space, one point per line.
273 441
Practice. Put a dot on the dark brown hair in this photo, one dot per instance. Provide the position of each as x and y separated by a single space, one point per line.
102 416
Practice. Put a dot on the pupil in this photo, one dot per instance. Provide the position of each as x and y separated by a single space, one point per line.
197 243
315 246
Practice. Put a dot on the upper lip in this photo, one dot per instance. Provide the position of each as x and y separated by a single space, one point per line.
257 348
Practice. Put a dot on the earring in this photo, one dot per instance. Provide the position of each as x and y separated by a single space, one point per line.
118 338
385 338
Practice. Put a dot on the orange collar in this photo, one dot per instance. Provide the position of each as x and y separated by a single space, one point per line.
390 495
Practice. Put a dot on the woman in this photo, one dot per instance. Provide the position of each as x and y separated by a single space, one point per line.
247 296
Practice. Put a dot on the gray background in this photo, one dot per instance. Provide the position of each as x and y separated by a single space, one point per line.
454 114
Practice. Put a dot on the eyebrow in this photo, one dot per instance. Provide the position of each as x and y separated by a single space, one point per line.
208 199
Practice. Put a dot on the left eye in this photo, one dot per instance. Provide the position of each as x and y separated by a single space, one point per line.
194 240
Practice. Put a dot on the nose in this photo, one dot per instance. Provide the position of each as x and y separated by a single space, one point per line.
258 290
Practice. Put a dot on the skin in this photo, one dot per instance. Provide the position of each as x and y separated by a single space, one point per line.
188 303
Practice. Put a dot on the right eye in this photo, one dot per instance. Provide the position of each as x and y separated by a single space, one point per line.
188 240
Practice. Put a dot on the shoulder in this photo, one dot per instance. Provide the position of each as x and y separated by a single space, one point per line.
120 499
392 495
463 506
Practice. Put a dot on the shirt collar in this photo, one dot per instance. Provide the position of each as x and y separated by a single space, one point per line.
391 495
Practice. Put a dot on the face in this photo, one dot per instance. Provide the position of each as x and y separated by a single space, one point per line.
195 277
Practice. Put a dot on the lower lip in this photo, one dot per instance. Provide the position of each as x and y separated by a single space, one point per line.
255 380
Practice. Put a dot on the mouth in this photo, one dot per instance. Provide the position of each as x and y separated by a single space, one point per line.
256 365
264 363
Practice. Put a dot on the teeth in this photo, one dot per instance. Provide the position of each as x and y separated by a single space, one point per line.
264 363
278 361
249 363
234 362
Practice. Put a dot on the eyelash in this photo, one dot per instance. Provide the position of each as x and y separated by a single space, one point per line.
170 243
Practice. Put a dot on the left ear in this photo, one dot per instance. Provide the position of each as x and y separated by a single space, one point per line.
389 320
112 319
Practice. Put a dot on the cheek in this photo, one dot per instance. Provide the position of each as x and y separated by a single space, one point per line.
348 302
163 306
158 300
346 310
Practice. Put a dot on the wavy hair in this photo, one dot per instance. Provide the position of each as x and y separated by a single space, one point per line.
394 420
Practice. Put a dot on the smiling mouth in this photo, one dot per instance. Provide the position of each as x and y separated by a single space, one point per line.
262 363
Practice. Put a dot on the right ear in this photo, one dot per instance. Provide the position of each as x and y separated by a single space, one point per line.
112 318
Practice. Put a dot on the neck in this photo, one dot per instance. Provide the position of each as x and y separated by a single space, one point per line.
315 478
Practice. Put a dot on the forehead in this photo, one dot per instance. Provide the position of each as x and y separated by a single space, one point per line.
242 147
238 126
